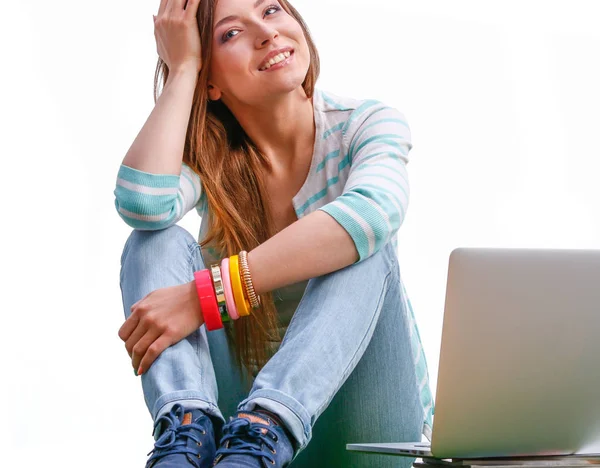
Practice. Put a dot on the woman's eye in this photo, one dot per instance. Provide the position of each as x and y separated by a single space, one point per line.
228 34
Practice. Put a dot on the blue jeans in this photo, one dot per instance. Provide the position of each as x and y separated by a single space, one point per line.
345 359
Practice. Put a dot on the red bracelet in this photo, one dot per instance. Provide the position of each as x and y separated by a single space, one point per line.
208 300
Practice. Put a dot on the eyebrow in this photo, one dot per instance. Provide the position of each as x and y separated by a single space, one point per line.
257 3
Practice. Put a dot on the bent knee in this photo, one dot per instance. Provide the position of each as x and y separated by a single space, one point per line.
157 243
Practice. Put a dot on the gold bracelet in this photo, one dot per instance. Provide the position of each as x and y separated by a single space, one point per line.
215 274
218 283
247 280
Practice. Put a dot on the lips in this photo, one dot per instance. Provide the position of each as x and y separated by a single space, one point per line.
274 53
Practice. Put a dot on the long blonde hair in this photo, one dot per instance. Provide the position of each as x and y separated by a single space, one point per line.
231 168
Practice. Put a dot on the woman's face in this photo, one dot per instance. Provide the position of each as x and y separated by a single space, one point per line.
245 33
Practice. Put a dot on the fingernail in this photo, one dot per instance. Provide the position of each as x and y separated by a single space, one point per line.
140 371
135 372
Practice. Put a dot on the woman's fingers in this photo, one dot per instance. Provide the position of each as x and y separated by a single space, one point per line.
129 326
191 9
179 6
174 6
154 350
177 36
182 7
142 327
141 347
162 7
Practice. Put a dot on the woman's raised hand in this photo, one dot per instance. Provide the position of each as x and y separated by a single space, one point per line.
177 35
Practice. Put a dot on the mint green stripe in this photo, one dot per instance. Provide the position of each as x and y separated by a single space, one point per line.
334 180
383 138
355 200
317 196
357 138
145 225
390 154
151 204
351 226
389 179
329 156
191 182
332 103
360 109
384 200
344 162
148 179
332 130
353 116
341 165
388 193
362 167
385 120
377 222
358 113
202 205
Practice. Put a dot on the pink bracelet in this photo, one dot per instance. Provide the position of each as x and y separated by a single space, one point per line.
231 309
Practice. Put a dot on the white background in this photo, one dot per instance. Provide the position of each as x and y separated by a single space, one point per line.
502 99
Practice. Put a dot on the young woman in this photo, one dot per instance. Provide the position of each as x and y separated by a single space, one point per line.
289 314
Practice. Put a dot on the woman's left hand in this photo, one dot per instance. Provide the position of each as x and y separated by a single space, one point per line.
162 318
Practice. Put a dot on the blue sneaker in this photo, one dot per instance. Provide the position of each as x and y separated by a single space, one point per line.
254 439
186 439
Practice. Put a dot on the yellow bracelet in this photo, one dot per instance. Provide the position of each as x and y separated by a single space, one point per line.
241 303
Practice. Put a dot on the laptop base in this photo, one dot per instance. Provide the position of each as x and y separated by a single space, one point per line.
422 450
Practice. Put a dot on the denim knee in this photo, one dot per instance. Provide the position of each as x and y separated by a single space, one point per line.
391 254
384 261
164 245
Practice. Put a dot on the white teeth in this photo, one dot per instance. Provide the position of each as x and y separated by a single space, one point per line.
277 59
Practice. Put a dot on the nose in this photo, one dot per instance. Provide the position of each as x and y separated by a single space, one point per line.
265 34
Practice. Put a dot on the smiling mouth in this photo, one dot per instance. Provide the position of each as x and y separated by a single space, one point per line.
277 59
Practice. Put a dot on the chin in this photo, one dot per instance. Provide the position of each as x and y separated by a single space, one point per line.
288 85
277 85
288 82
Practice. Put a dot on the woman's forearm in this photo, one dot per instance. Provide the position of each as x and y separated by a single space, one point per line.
312 246
158 147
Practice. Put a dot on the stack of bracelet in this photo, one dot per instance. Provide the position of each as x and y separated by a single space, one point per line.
226 291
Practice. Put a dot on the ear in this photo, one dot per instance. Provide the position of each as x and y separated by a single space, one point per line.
214 93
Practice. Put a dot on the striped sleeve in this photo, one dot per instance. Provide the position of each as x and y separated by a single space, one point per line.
150 202
375 198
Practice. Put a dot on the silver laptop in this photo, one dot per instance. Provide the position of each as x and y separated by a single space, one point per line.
519 370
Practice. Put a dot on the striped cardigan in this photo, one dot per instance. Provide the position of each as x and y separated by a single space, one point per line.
357 175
